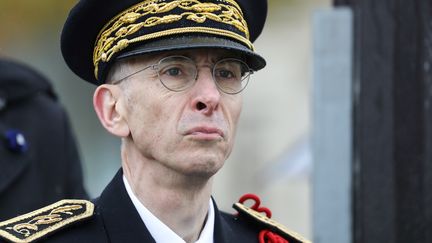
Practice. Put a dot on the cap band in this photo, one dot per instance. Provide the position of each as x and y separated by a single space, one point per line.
165 18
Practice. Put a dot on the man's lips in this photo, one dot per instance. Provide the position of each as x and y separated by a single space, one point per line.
205 132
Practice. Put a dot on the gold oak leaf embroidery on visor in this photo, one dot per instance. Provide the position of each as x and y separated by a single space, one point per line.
114 36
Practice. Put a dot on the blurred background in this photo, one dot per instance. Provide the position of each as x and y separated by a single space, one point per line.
272 156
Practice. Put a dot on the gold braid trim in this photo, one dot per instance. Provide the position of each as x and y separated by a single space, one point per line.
279 228
113 36
26 228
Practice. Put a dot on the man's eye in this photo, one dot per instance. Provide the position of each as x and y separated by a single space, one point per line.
174 71
225 74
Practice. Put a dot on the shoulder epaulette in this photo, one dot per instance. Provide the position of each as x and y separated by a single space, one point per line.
34 225
266 222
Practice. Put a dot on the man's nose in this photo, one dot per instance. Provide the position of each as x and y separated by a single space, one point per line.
206 95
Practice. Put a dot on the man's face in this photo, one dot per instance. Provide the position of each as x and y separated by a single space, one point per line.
192 131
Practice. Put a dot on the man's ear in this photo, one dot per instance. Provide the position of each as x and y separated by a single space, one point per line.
110 109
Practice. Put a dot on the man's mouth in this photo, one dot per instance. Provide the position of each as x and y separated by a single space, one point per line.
205 133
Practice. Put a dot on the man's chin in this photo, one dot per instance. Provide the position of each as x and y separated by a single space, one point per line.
203 169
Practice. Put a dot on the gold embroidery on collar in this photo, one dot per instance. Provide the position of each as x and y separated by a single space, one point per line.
113 37
34 225
242 209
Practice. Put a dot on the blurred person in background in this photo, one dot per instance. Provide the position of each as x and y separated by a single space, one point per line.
169 77
39 160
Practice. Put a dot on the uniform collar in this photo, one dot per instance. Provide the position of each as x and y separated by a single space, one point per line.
160 231
123 223
121 220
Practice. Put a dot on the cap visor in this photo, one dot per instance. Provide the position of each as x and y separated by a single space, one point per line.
253 60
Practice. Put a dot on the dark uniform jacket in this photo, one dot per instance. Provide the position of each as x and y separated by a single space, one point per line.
113 218
117 221
48 169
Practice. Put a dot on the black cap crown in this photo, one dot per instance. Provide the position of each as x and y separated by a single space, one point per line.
97 32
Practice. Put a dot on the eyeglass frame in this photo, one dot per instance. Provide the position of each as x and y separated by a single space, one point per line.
155 67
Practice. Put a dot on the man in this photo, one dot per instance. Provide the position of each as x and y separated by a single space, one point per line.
39 161
170 75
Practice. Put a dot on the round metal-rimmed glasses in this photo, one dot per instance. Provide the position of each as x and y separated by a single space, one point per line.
178 73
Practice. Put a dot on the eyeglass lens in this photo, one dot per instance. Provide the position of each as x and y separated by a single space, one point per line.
178 73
